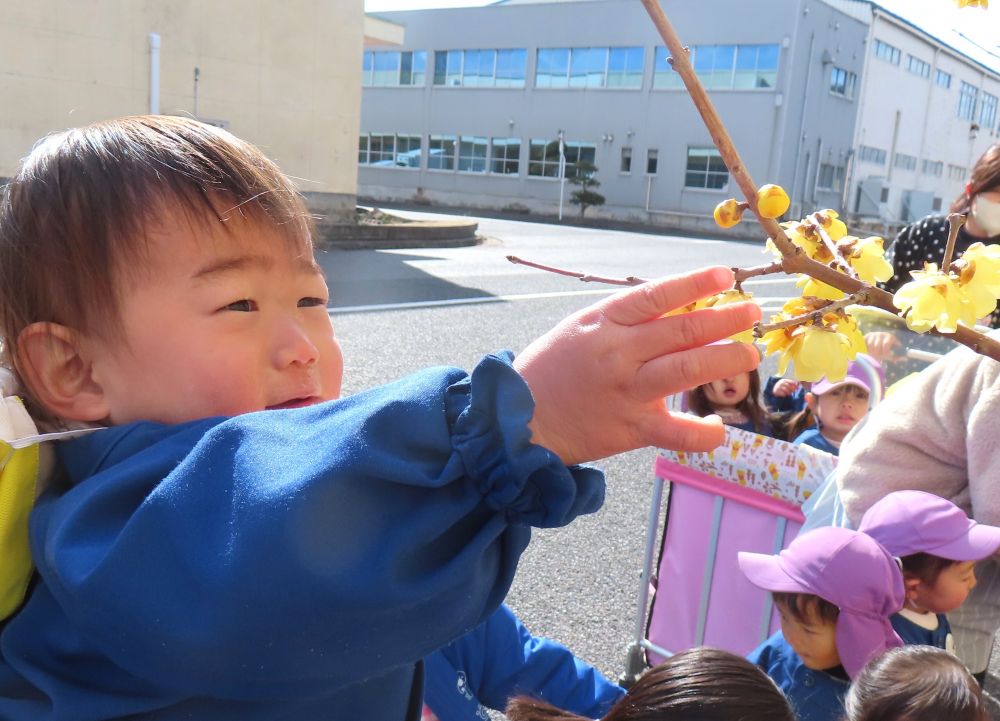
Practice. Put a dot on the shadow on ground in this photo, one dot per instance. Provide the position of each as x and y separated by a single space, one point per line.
372 277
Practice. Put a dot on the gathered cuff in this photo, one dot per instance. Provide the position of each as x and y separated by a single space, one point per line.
489 413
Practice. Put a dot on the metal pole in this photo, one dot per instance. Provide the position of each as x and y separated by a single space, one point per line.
562 173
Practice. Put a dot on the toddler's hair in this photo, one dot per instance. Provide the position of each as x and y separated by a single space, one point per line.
74 219
915 683
798 605
925 567
752 406
701 684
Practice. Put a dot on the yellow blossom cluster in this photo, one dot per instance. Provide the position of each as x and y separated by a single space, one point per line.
821 346
724 298
973 3
944 300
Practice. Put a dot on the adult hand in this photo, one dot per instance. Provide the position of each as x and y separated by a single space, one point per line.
601 376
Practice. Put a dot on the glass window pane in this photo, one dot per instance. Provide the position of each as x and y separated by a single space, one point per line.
441 152
511 68
553 66
505 156
767 57
440 66
454 68
386 69
472 154
746 57
406 69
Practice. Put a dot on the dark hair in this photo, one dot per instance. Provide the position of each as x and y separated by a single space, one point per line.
796 423
74 220
701 684
925 567
751 406
799 606
985 176
915 683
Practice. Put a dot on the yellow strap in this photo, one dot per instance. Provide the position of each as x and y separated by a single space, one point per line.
18 479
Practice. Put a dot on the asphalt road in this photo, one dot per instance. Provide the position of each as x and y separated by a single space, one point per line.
580 584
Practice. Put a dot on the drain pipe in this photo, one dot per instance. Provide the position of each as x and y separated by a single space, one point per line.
154 74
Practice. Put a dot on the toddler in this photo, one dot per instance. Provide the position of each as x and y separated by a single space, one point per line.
701 684
236 543
735 400
915 683
835 590
938 546
836 407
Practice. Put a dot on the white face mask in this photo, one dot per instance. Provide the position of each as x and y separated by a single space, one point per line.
986 213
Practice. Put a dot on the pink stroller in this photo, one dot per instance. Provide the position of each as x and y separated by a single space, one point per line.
744 496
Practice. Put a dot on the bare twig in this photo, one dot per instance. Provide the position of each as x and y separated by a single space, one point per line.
859 298
793 259
585 277
955 222
745 274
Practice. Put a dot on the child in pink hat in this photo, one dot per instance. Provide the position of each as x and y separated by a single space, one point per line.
938 546
835 590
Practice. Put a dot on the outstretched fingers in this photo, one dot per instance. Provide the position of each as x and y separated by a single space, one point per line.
653 299
678 371
690 330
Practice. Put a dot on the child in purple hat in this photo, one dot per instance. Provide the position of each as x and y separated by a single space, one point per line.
938 546
835 590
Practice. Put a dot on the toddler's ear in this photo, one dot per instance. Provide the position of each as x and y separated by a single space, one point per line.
912 586
811 401
59 376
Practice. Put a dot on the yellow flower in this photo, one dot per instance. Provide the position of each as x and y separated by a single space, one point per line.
867 257
819 352
984 4
801 234
848 327
934 300
818 289
724 298
830 220
979 277
816 350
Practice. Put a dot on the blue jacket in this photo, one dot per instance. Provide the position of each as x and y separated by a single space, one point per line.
499 660
291 564
913 634
813 695
813 437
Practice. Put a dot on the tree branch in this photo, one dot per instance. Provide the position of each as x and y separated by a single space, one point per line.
585 277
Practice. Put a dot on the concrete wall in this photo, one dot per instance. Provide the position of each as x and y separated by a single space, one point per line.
281 75
766 124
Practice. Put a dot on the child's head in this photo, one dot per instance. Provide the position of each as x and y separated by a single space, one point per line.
847 570
915 683
937 544
739 393
701 684
159 268
839 406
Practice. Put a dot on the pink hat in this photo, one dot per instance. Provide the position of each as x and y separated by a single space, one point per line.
864 371
850 570
908 522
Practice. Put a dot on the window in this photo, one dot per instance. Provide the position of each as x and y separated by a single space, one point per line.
936 205
956 172
625 67
363 150
988 111
887 52
505 156
932 167
511 66
381 149
943 79
480 68
831 177
408 151
472 154
652 161
905 162
842 82
917 66
589 68
967 95
726 67
393 68
441 152
868 154
543 157
552 68
705 169
626 164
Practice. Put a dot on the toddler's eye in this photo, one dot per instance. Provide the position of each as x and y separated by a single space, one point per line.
311 302
243 306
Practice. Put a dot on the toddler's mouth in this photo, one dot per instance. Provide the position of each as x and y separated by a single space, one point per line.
295 403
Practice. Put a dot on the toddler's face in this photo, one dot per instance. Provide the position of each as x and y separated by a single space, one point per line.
219 324
842 408
948 592
728 392
813 638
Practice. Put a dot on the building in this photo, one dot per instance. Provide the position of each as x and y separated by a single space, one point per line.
471 109
281 75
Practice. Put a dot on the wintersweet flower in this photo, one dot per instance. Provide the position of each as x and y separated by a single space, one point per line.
832 224
724 298
979 277
815 349
934 300
867 257
818 289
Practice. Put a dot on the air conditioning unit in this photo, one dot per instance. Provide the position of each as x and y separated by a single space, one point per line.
872 198
916 205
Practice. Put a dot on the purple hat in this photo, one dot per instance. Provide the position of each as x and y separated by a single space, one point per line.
850 570
908 522
863 371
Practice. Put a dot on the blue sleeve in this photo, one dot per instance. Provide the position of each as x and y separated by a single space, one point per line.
788 404
244 557
514 663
